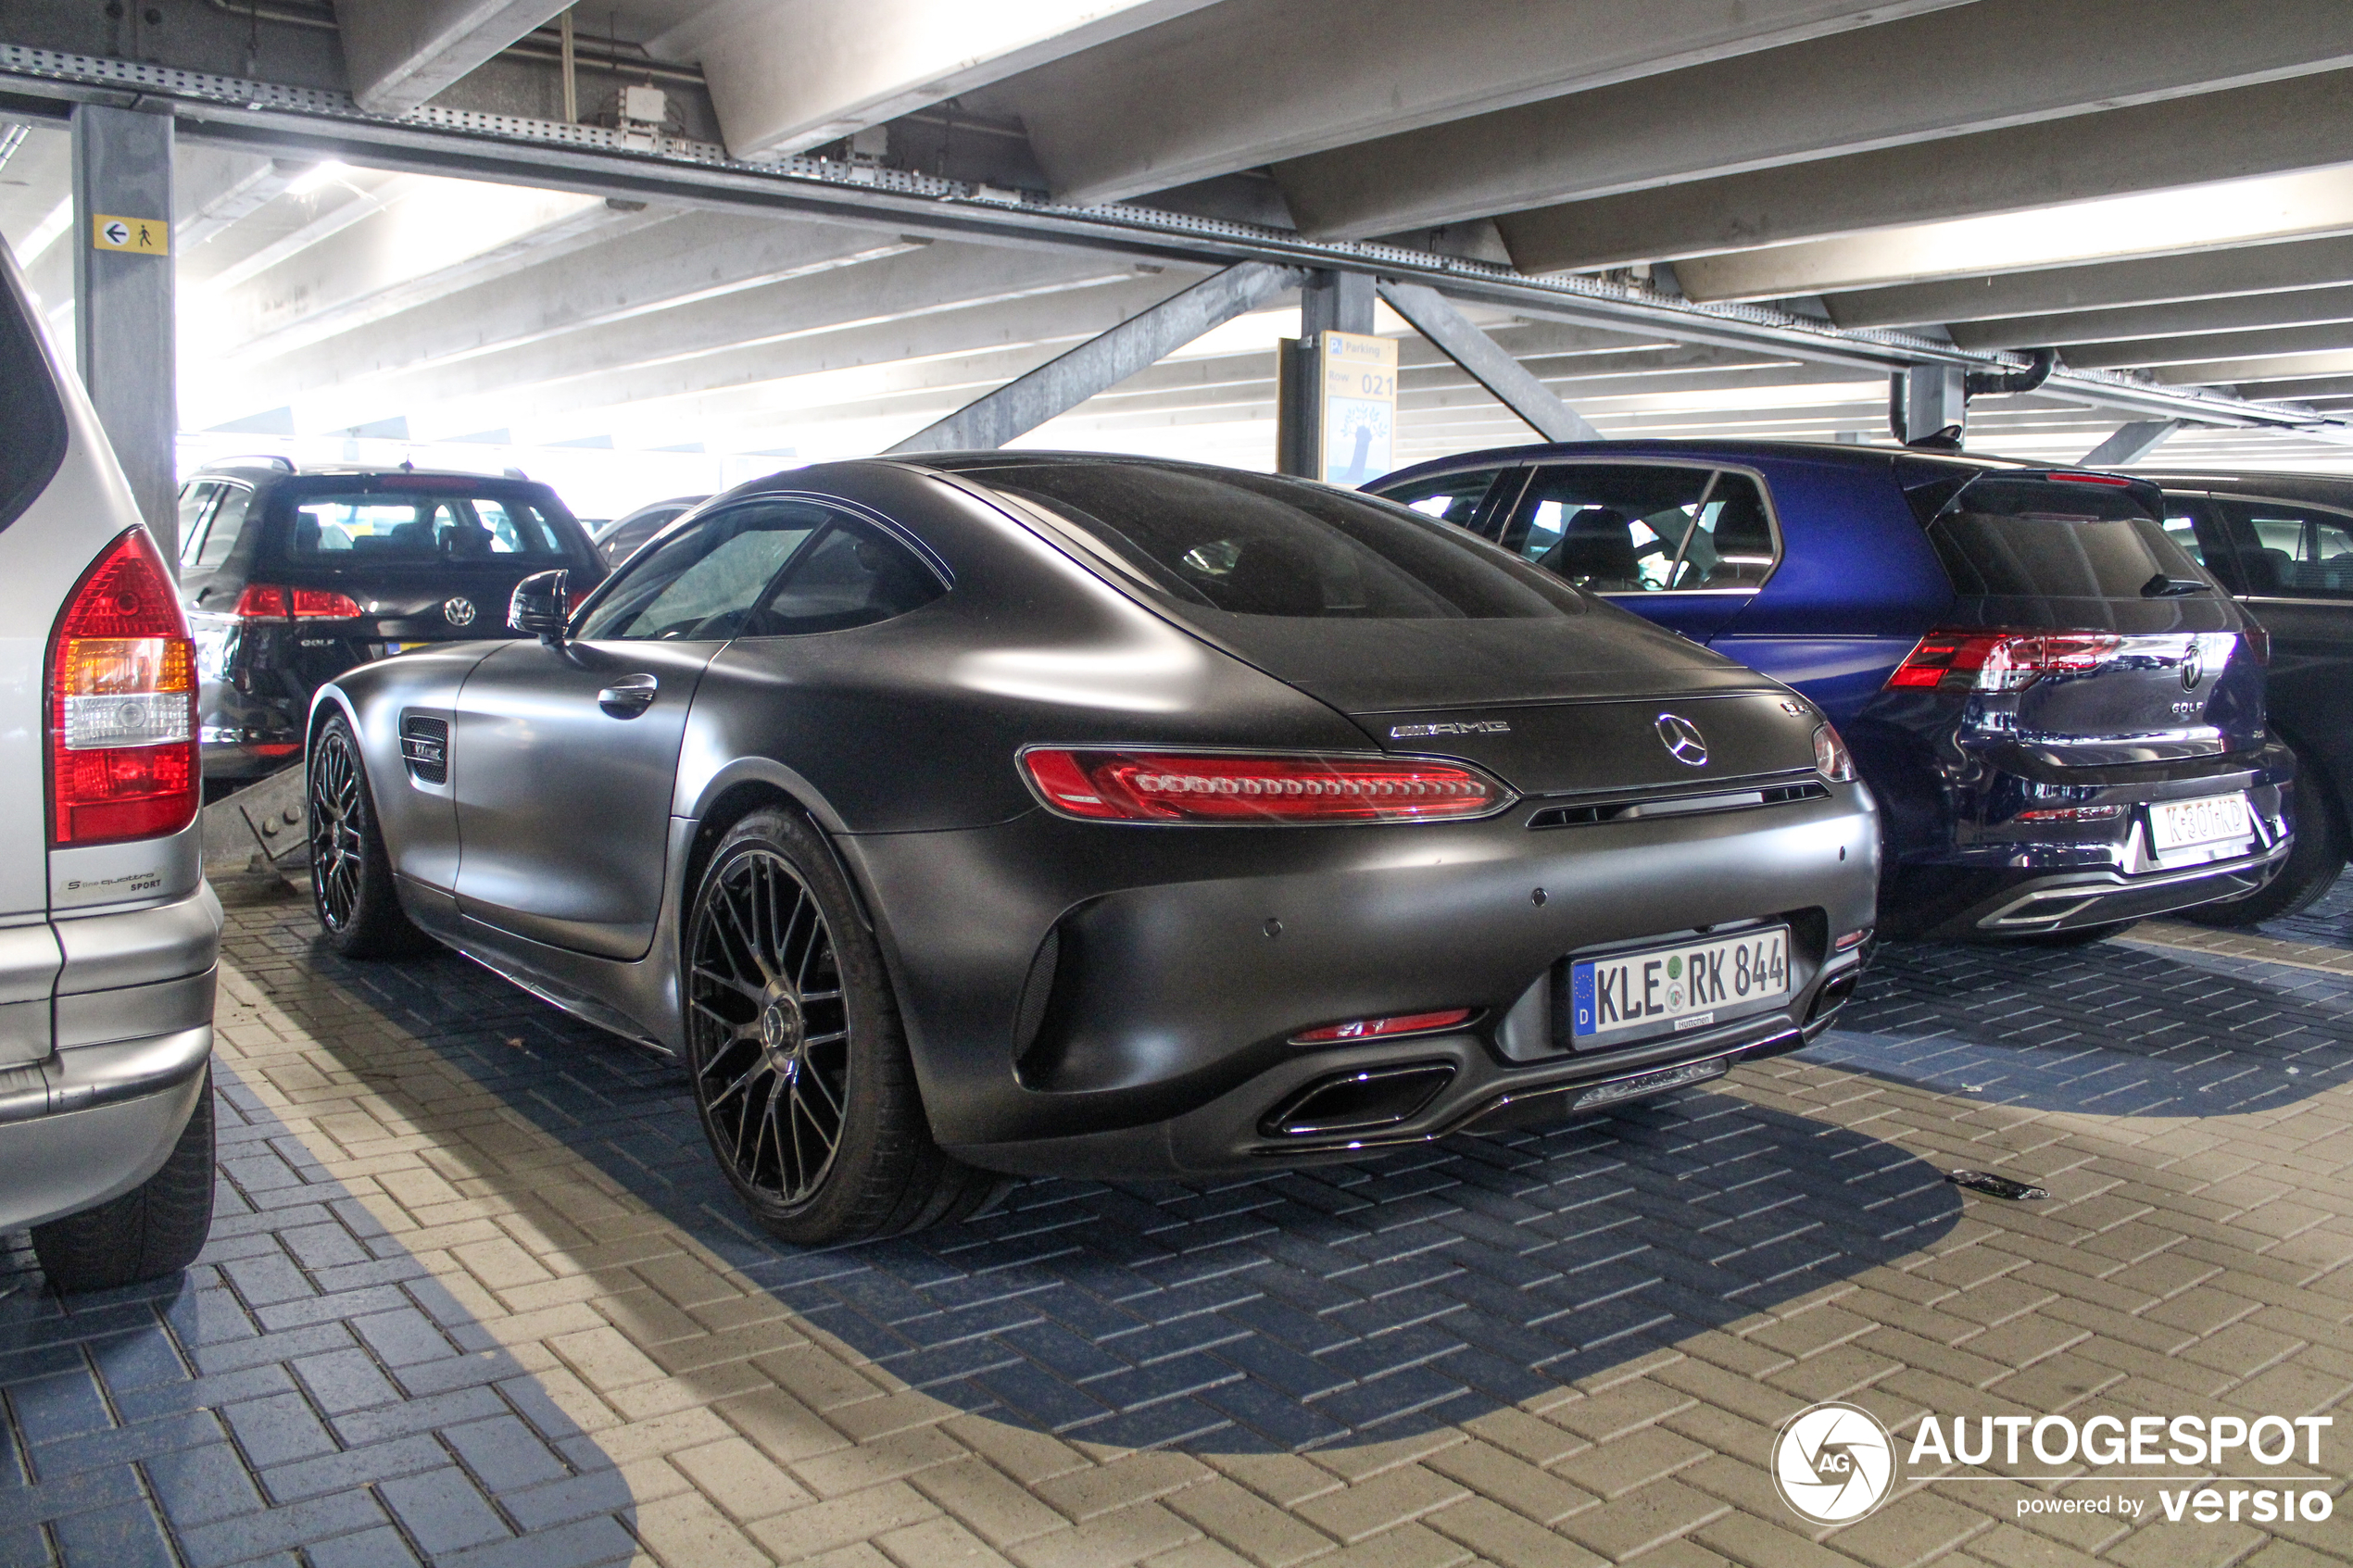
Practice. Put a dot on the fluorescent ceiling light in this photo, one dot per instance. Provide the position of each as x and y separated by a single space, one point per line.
317 175
2156 223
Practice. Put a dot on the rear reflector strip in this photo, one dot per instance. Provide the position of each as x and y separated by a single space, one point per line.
1383 1028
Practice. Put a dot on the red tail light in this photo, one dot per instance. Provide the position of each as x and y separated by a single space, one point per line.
2256 640
2115 479
122 703
1381 1028
1141 786
266 601
1966 660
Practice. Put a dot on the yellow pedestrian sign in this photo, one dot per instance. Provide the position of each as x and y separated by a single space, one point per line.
143 236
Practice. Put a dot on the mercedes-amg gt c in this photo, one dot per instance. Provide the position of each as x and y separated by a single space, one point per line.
1033 813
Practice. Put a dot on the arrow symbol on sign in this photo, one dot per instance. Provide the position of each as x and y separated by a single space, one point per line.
119 232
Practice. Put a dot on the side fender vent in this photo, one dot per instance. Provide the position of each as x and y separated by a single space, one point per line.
424 746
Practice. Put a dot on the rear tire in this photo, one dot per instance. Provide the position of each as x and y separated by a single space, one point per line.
799 1065
2312 869
155 1229
351 886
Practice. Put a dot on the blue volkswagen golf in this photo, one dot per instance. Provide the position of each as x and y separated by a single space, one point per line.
2061 711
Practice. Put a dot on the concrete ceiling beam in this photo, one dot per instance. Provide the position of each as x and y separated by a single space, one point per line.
1253 81
788 75
2235 313
2200 347
2156 279
2319 387
1970 69
2284 368
400 53
2302 123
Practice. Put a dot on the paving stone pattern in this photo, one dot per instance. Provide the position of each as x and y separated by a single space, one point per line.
477 1291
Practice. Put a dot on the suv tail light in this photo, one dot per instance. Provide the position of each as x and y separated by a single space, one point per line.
1150 786
122 703
266 601
1968 659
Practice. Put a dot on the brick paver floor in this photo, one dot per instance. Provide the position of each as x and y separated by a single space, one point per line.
476 1295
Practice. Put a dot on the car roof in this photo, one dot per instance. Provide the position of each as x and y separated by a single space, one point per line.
2324 489
1853 454
280 468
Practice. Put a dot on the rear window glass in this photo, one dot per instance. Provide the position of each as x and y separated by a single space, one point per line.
1248 544
2035 538
378 525
30 411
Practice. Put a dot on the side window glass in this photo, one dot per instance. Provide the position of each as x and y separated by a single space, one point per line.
707 582
1453 498
194 498
1613 527
2292 551
1732 545
853 576
228 523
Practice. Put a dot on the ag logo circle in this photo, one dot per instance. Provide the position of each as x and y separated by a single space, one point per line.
1833 1463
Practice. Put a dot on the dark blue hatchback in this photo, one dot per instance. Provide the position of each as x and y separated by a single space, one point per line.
2060 712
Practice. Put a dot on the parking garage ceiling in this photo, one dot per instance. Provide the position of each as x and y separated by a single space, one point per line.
2156 188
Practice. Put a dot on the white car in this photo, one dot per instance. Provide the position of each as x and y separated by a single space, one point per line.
109 934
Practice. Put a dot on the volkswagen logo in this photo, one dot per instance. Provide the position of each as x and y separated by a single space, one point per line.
2193 665
458 610
1833 1463
1683 740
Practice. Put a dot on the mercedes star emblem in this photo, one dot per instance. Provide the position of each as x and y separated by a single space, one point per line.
1683 740
458 610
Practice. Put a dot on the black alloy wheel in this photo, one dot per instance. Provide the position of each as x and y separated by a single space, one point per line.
351 870
771 1027
2314 861
799 1063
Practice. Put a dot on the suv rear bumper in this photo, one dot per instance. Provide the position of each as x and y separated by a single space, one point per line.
89 1125
96 1098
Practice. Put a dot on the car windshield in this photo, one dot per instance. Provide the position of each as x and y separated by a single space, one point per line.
1248 544
2046 539
379 525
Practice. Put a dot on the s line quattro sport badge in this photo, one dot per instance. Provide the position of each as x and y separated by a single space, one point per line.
458 610
1833 1463
1683 740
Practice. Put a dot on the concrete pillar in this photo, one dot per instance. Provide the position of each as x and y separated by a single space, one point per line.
122 292
1329 302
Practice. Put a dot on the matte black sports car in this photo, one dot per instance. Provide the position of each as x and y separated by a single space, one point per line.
1039 813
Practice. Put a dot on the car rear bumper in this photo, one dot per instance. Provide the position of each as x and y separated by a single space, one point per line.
93 1099
1108 998
89 1125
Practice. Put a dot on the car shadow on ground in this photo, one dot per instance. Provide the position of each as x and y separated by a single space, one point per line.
305 1381
1292 1311
2113 1029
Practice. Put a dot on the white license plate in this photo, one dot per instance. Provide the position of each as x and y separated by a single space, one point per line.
1669 990
2177 824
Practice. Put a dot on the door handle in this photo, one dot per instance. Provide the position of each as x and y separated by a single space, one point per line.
628 697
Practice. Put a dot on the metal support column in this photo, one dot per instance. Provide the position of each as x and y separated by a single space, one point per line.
1455 335
1329 302
122 291
2131 444
1102 362
1927 406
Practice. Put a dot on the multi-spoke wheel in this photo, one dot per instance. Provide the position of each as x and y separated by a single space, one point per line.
350 872
799 1067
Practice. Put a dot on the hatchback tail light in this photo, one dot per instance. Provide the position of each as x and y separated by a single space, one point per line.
266 601
1152 786
122 703
2256 640
1970 660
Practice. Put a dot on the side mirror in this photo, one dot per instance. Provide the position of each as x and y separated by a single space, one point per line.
540 608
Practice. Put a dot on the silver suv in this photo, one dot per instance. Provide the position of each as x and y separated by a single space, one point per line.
109 934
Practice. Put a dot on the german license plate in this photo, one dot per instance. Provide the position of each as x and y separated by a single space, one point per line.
1668 990
2179 824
